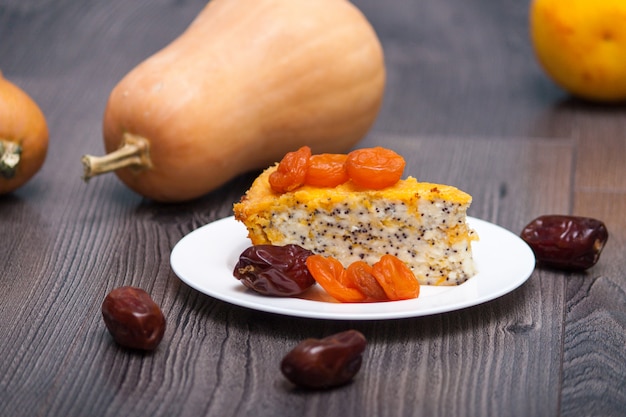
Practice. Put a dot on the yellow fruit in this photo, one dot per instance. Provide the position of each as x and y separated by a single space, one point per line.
581 44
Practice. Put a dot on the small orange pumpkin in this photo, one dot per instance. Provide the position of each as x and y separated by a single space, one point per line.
23 137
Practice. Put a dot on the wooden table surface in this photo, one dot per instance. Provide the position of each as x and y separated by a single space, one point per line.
466 103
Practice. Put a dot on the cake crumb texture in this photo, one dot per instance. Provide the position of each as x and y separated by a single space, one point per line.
423 224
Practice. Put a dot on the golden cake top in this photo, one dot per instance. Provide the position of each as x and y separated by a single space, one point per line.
260 196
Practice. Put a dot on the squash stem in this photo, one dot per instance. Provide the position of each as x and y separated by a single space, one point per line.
10 154
134 153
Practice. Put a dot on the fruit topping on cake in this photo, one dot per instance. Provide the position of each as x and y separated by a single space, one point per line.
356 209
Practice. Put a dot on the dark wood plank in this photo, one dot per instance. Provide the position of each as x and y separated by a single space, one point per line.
595 326
460 68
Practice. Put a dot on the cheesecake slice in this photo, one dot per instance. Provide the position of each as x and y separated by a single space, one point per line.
423 224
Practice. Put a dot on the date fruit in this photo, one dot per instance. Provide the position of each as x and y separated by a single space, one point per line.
275 270
325 363
134 320
565 242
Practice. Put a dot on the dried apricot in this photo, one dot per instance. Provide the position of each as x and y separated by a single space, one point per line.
359 274
396 278
375 168
327 170
330 274
291 171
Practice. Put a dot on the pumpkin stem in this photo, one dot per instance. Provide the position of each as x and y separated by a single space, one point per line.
134 152
10 153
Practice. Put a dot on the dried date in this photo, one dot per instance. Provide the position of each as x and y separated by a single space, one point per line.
275 270
134 320
325 363
565 242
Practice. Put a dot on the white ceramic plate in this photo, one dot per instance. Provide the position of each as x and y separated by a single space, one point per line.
206 257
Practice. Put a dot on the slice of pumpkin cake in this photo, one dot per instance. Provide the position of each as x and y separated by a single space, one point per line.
423 224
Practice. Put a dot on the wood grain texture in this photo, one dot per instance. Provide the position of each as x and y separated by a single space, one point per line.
466 104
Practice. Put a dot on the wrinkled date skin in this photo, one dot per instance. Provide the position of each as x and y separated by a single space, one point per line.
325 363
275 270
570 243
134 320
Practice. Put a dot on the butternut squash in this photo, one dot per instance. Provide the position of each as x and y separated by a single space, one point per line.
23 137
245 83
